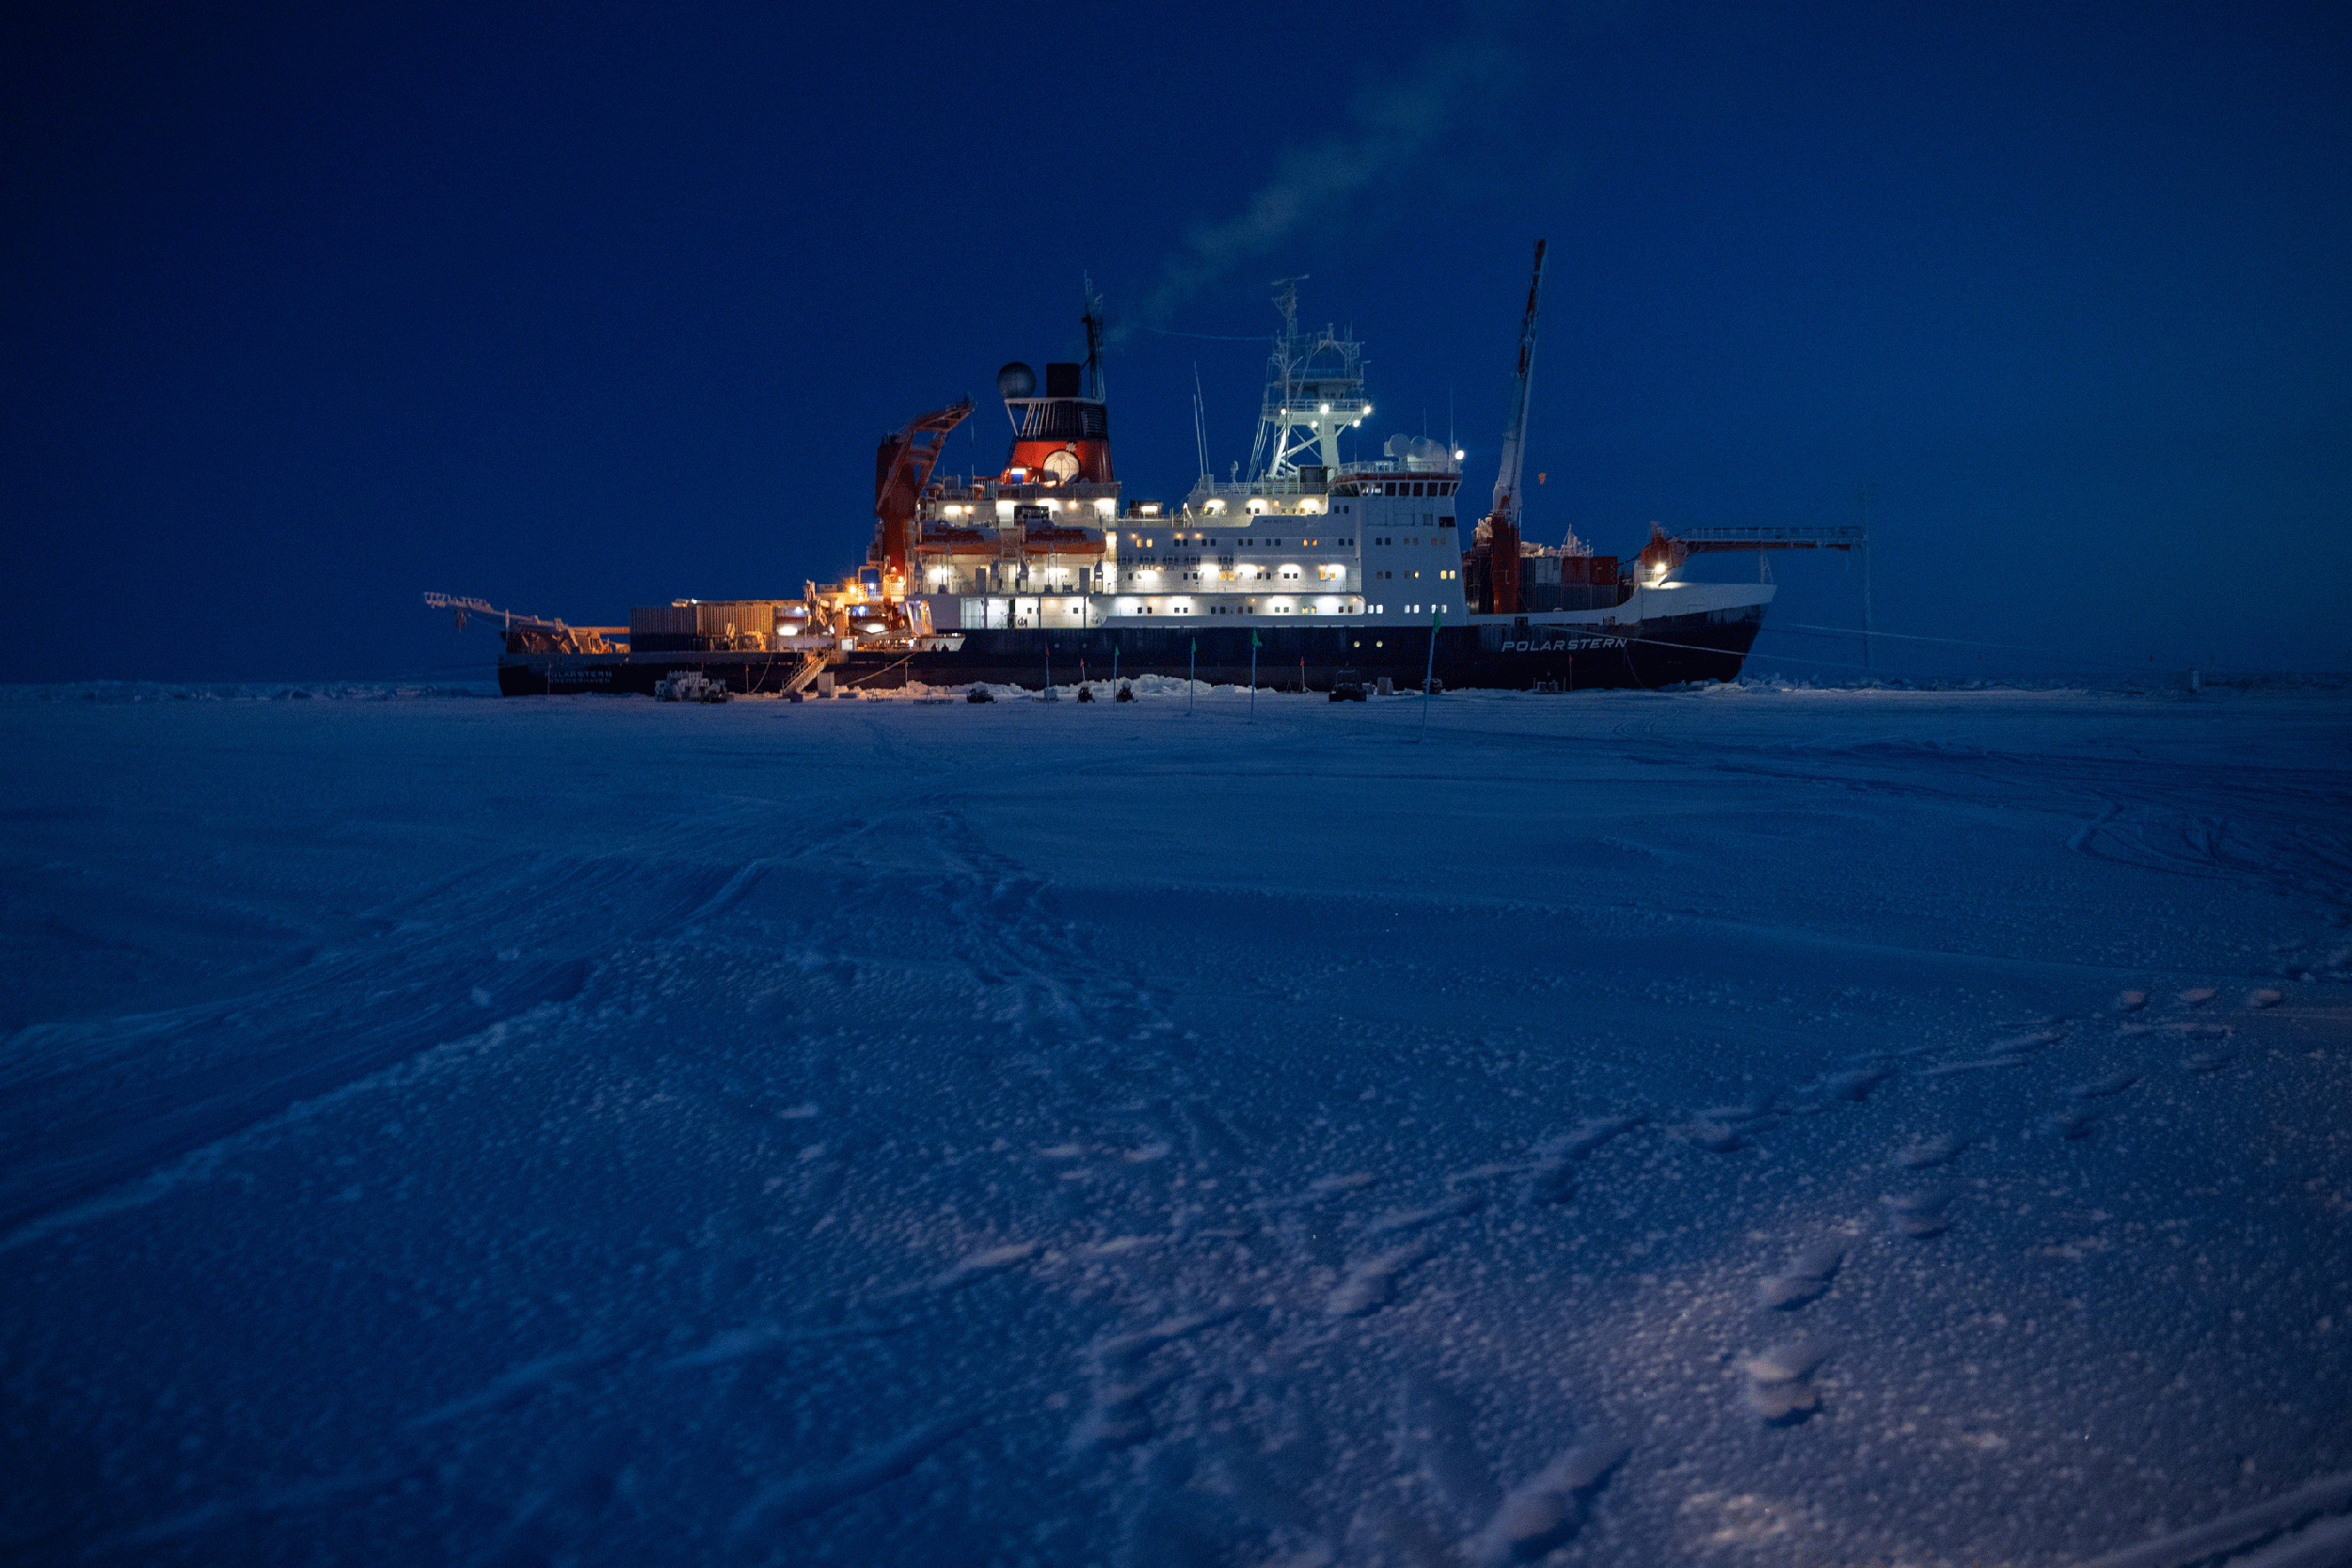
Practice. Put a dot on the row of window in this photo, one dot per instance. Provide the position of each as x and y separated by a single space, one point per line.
1402 487
1175 608
1253 574
1144 543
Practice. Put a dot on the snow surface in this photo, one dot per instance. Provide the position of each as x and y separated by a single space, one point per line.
1741 1125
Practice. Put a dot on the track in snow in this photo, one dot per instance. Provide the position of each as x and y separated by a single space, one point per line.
1628 1126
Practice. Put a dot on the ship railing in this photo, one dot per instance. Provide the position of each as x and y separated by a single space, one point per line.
994 490
1392 466
1336 405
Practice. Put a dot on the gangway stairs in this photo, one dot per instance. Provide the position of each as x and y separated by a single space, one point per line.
812 665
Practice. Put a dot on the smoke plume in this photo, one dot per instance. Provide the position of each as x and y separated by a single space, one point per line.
1400 128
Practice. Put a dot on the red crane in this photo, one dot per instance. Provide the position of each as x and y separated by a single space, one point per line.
902 466
1498 538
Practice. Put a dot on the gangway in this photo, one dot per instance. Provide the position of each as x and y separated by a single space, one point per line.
812 665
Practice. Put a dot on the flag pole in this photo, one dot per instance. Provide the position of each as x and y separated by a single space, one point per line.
1431 670
1192 671
1253 671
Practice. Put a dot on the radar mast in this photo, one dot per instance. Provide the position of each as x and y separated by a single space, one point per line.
1314 391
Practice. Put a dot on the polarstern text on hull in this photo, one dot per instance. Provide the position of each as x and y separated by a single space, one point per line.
1326 564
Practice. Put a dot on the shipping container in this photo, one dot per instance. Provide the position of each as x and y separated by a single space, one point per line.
664 620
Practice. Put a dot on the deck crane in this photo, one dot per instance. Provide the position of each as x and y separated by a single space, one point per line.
1497 546
531 634
902 466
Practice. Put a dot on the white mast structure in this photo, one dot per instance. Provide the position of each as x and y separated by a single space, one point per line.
1314 389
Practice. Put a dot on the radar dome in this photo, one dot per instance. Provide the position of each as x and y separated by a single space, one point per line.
1016 380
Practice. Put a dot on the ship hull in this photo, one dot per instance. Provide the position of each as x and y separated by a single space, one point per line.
1492 653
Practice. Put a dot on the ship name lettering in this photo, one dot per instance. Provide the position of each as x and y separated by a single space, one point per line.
1564 644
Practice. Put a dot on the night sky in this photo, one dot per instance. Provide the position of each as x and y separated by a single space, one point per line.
574 308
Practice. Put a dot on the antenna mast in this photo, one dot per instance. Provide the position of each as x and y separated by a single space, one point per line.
1286 301
1200 419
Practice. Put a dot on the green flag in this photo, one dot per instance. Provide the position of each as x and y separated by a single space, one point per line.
1438 619
1253 638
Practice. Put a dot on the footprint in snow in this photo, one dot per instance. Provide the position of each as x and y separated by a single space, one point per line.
795 1497
1805 1276
1779 1386
1398 1221
1712 1136
1947 1070
1123 1348
1852 1085
1118 1414
1366 1286
1547 1178
1590 1135
2257 1000
1855 1084
1116 1417
2197 996
2098 1088
2080 1118
2131 1001
2208 1061
1941 1149
981 1265
1545 1509
1433 1440
1722 1129
2076 1122
1547 1182
519 1383
1919 1214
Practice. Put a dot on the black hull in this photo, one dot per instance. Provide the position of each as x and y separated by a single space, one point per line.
1486 655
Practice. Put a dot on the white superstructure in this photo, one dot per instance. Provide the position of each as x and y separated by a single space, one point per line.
1311 533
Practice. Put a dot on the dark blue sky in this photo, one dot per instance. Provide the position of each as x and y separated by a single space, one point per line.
575 308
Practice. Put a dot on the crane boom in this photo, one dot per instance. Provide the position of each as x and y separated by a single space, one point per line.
1494 560
1514 434
529 633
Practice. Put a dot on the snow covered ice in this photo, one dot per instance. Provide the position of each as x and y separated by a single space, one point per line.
1748 1125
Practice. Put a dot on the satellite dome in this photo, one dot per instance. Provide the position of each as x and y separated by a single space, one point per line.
1016 380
